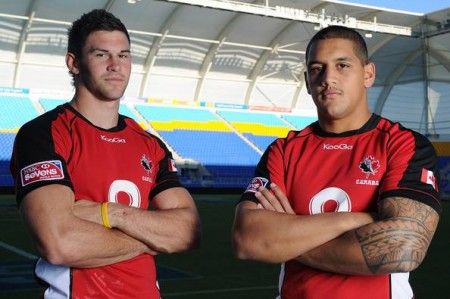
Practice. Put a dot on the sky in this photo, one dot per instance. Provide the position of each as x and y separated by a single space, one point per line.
419 6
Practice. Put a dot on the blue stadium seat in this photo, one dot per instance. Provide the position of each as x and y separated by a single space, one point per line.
6 141
15 111
249 117
124 110
260 141
49 104
162 113
299 122
211 148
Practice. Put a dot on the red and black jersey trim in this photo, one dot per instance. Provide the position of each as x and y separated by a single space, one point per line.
410 185
38 133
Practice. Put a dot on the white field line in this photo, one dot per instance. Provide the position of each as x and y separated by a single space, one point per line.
18 251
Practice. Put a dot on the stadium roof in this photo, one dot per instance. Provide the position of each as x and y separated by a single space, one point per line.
249 52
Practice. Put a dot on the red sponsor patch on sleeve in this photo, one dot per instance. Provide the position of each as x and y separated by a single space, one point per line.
41 171
256 183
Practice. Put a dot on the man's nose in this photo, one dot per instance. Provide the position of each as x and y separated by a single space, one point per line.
113 63
328 76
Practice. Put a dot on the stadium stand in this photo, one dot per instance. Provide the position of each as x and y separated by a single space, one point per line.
49 104
198 134
260 128
15 111
6 141
299 122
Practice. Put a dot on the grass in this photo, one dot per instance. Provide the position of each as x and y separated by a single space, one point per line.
213 271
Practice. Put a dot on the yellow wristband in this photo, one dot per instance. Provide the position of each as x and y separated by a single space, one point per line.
104 212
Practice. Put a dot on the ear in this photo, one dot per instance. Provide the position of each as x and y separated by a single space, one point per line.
369 74
72 63
307 83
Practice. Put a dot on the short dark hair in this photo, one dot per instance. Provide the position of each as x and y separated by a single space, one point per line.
95 20
335 31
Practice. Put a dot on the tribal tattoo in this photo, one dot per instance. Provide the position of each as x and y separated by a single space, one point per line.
399 241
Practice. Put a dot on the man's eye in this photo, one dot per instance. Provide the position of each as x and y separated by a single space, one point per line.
315 69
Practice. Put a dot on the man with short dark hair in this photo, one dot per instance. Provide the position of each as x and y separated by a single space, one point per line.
100 196
349 204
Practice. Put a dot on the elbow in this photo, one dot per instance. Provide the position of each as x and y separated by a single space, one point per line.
57 253
240 248
58 248
408 258
193 242
190 239
411 263
245 248
185 239
415 253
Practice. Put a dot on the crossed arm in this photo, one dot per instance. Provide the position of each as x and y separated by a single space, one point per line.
271 232
397 242
347 243
71 234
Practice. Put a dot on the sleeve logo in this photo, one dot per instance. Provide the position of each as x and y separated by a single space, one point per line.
41 171
256 183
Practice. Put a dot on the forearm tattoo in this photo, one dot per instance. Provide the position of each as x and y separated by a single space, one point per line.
399 241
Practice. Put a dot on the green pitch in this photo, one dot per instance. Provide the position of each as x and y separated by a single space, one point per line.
210 271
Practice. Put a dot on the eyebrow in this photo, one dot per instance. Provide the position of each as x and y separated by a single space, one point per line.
106 51
339 59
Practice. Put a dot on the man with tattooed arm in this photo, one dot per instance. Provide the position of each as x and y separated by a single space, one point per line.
349 204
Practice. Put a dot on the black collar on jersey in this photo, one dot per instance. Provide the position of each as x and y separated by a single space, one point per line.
120 124
369 125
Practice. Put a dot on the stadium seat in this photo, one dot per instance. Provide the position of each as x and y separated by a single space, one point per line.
11 120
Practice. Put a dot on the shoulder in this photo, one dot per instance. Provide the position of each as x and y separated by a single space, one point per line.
396 129
401 137
43 123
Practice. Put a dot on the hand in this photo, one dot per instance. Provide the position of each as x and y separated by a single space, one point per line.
273 200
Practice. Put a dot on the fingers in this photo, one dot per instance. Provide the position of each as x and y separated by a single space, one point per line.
268 200
274 200
284 202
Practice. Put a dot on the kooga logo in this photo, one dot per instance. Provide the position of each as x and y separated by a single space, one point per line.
113 140
341 146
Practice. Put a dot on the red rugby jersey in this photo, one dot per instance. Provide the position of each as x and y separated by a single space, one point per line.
124 164
351 171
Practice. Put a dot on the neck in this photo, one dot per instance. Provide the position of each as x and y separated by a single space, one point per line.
344 125
103 114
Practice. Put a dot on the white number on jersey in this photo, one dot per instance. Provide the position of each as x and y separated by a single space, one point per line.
337 195
129 188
